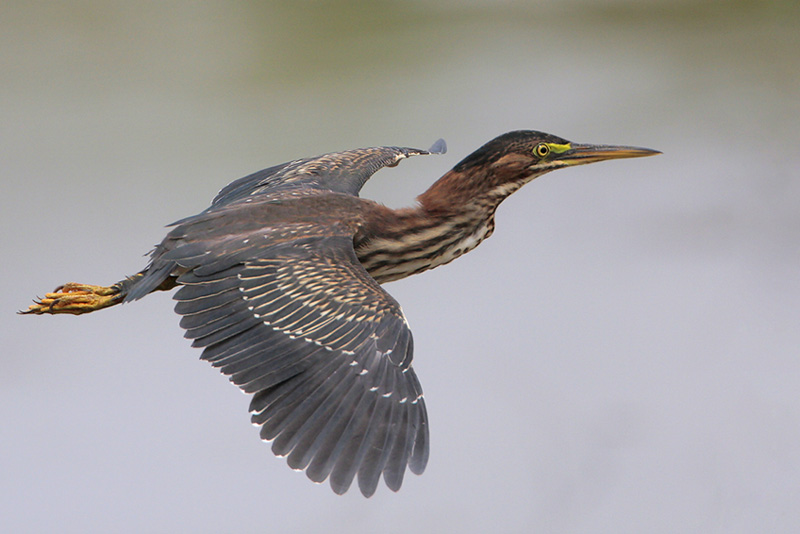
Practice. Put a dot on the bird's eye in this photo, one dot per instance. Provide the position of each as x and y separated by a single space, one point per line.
541 150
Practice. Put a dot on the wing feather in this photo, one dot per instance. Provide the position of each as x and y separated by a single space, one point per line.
341 172
324 350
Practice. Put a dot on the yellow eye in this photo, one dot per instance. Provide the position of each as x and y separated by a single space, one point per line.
541 150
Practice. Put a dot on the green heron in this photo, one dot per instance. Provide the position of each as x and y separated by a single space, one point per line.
280 283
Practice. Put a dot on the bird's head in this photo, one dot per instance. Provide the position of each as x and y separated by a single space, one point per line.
513 159
516 158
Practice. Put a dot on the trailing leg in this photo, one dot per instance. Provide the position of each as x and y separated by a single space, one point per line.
77 298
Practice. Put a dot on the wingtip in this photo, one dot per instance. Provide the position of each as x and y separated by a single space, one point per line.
439 147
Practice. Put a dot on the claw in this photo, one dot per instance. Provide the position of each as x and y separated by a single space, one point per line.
75 299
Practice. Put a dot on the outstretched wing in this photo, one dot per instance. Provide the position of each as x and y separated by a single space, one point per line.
340 172
323 348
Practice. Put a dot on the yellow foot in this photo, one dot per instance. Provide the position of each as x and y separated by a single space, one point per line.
76 299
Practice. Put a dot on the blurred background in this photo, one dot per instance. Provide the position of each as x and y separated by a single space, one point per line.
621 356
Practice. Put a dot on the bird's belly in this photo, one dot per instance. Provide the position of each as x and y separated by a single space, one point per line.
387 260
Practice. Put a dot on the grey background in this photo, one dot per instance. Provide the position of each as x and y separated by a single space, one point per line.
621 356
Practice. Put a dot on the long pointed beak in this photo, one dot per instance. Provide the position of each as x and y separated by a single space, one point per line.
582 154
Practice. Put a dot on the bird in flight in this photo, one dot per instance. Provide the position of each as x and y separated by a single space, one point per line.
280 284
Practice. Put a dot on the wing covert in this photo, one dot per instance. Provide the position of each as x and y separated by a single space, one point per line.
340 172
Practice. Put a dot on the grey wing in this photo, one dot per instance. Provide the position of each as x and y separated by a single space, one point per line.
324 350
341 172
